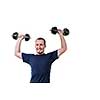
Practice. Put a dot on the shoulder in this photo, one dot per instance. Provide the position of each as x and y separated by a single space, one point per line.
26 55
54 53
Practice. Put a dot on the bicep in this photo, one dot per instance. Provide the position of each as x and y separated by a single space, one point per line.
61 51
53 56
19 55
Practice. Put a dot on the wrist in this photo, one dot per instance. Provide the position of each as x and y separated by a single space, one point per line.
20 38
60 34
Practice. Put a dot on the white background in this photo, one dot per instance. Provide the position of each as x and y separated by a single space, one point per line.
76 74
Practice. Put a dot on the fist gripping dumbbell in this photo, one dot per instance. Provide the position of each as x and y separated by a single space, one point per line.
15 36
54 30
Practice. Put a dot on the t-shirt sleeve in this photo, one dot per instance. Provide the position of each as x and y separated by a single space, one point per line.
26 57
53 56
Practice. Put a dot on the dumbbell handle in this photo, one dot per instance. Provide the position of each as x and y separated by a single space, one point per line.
65 31
16 36
26 37
22 36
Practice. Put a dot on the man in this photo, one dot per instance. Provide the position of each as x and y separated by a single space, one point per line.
41 62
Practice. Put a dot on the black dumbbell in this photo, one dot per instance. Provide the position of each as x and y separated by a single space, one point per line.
65 31
54 30
15 36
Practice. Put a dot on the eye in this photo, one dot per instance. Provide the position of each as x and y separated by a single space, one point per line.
36 44
41 44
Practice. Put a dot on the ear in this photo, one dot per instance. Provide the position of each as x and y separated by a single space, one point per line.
45 46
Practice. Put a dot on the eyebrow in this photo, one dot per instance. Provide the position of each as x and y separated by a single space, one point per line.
39 43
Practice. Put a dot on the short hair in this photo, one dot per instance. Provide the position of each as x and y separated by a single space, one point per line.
40 38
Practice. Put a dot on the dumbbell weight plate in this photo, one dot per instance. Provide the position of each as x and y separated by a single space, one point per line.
15 35
54 30
65 32
27 37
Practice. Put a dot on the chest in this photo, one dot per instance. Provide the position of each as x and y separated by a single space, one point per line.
40 63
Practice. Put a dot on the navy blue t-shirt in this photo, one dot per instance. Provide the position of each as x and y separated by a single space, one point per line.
40 66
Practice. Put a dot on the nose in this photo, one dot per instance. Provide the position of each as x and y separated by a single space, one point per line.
39 47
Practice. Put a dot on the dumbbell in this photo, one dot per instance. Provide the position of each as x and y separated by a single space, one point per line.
15 36
54 30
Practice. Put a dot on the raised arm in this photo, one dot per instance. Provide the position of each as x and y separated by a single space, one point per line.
18 46
63 43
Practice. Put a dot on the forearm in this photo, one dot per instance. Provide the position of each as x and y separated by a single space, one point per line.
63 42
18 46
63 47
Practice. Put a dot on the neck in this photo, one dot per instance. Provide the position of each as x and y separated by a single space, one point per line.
40 53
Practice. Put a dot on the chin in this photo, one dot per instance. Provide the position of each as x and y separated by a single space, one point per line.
40 53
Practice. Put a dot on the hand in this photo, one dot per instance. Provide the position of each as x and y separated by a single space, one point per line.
21 36
60 32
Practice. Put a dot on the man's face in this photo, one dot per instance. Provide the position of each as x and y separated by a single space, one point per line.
40 46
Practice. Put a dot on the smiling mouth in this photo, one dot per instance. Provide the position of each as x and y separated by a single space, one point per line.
39 49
